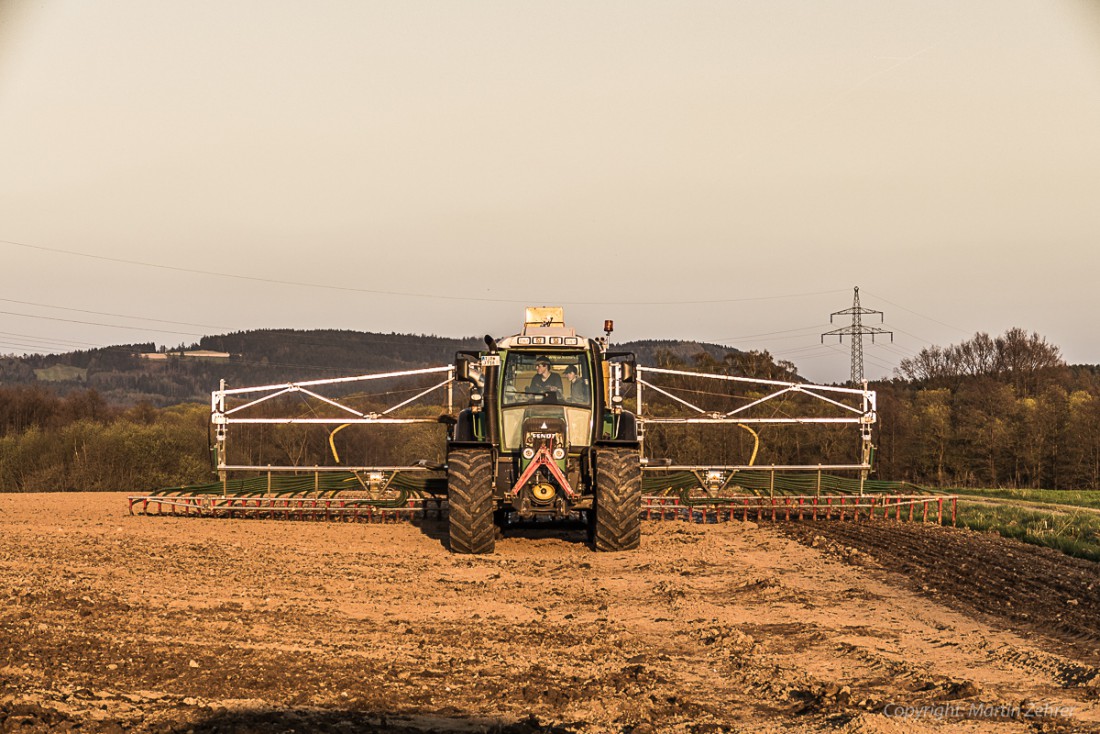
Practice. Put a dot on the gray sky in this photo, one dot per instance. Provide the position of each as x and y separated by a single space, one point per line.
722 171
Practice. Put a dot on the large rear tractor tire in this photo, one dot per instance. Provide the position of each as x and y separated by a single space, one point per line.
470 501
618 512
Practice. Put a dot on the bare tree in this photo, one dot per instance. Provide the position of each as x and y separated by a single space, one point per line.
1015 357
1023 357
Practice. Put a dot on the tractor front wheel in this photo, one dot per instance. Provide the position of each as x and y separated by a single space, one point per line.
470 501
618 511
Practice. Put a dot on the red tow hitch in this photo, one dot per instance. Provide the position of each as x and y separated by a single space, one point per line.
543 458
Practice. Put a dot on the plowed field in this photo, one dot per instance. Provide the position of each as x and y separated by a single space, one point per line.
114 623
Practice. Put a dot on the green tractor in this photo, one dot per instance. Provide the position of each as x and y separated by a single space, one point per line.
545 436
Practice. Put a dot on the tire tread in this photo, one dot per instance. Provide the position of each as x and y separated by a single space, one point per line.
470 501
618 524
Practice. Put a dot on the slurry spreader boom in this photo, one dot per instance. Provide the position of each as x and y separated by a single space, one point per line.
554 427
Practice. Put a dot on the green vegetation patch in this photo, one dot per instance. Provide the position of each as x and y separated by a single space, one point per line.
1077 498
62 373
1075 532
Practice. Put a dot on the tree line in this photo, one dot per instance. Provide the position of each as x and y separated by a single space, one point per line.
79 442
1002 411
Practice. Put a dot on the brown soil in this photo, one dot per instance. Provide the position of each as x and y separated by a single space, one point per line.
115 623
1036 591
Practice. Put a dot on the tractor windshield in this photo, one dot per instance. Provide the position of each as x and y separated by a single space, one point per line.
540 379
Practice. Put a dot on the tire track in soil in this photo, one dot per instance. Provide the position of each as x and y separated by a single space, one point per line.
1019 586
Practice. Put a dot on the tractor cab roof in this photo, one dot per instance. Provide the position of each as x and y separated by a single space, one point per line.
544 326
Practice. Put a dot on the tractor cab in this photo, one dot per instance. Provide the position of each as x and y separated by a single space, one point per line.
534 378
537 385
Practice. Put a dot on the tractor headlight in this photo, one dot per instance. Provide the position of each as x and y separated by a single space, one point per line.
559 453
528 453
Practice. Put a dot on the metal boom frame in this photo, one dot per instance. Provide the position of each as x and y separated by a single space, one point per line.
863 415
222 418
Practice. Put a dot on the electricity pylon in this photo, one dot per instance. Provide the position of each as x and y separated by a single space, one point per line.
857 331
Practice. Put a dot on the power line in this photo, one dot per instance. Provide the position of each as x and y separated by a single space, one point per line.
809 349
117 315
23 346
916 313
803 330
405 294
96 323
898 350
880 363
830 352
61 342
919 338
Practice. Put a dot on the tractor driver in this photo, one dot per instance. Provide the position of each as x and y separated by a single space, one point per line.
545 379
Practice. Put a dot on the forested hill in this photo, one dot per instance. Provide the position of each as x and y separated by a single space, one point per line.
1003 411
121 377
651 352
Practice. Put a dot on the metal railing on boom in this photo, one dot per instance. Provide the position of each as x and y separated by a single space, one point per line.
223 416
854 406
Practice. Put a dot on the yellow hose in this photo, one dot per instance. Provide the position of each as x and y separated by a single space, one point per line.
332 442
755 445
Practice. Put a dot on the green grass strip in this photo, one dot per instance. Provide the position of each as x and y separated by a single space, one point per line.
1075 533
1077 498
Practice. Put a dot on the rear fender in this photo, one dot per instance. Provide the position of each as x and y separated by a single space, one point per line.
619 429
